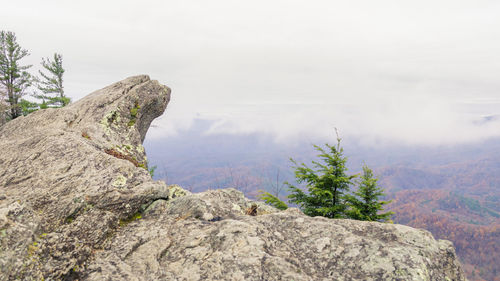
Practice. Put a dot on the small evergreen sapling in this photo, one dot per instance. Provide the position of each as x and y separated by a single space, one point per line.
327 184
366 203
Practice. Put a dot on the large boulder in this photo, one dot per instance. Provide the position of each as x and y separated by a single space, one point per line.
77 203
68 176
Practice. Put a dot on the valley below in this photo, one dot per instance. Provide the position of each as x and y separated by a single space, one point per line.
451 191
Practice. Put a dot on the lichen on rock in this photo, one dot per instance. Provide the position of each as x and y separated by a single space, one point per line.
120 181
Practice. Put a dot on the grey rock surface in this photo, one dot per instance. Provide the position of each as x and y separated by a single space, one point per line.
68 176
210 236
76 203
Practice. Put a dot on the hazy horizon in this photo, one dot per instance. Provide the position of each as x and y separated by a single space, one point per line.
419 73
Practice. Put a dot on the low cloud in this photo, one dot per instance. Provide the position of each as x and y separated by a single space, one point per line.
421 72
412 122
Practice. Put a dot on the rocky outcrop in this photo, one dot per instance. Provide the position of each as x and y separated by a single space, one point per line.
77 202
69 176
210 236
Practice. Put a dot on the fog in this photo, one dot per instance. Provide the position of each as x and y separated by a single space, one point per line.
421 72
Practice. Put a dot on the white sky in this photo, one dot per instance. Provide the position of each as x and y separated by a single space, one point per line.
418 72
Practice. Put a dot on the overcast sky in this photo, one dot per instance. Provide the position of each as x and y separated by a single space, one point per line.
417 72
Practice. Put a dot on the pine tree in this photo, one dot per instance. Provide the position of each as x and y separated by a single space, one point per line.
365 205
51 85
327 184
14 79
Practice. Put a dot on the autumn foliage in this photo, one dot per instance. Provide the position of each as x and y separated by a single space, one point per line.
473 228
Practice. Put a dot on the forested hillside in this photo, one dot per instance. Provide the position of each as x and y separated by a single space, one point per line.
458 202
473 228
453 191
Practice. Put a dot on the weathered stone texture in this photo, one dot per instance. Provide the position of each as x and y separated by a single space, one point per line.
76 202
208 236
68 176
